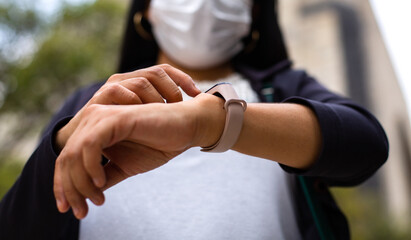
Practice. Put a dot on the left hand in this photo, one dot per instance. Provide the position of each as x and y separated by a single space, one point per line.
136 139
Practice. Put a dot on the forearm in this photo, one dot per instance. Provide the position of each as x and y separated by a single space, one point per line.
285 133
343 144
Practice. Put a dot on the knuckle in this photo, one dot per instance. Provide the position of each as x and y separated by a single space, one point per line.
157 71
91 109
69 153
186 77
176 94
135 99
165 66
179 73
142 83
114 77
183 78
112 89
89 141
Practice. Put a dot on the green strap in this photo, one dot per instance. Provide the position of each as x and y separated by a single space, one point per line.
307 186
316 211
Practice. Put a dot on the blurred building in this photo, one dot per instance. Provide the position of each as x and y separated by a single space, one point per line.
339 42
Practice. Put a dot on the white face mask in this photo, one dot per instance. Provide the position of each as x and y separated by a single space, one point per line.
199 34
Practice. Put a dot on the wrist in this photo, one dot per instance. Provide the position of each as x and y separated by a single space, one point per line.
62 135
209 120
60 139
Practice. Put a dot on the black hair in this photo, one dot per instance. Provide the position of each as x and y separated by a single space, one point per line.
138 52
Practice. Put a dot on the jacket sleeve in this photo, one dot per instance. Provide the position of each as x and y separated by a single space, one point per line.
354 144
28 210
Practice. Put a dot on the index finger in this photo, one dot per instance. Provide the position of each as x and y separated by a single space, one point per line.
182 80
166 80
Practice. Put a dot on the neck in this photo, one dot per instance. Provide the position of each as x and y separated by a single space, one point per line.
213 73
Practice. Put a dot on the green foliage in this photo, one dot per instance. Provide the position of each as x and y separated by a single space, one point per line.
366 215
79 48
9 171
18 20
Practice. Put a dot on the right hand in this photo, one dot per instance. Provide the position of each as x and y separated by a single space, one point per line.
136 139
149 85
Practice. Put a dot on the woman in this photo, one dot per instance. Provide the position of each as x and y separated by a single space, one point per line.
235 194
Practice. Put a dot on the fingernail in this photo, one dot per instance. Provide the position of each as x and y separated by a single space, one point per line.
76 212
58 202
96 200
98 182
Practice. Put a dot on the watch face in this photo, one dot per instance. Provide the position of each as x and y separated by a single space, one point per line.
234 107
218 84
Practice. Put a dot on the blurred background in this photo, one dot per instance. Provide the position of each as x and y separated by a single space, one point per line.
48 48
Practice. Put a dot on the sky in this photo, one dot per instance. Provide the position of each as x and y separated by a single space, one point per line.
394 19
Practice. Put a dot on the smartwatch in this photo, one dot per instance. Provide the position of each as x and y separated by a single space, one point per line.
234 107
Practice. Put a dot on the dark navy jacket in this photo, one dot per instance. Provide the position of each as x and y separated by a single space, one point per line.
354 146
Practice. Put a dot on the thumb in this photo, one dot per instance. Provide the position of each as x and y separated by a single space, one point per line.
114 175
128 159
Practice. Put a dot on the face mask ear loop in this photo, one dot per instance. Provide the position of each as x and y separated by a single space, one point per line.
138 17
255 36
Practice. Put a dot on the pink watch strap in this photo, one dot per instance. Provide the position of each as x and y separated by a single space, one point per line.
235 108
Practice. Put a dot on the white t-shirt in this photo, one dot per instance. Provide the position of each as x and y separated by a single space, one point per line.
200 195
